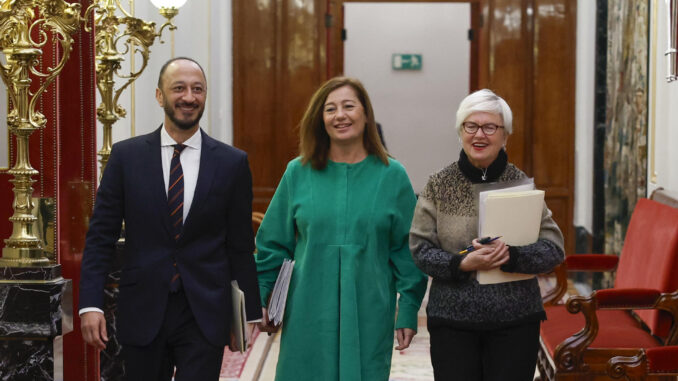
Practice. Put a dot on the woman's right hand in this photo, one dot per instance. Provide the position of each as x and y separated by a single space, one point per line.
485 257
266 325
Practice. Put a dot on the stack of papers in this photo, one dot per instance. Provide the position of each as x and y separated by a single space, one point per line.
276 307
515 215
239 319
482 200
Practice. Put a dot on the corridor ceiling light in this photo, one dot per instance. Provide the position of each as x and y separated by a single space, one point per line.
168 8
176 4
168 3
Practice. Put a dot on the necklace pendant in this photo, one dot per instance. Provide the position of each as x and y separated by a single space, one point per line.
484 177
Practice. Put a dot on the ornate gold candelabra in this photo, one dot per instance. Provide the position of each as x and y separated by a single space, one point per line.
18 25
112 44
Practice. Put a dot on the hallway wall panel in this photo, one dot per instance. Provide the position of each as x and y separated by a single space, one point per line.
278 62
509 68
552 141
527 56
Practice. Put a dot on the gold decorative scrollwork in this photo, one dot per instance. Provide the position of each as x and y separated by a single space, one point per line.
22 57
112 44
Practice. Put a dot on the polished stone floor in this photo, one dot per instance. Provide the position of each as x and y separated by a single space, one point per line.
258 364
412 364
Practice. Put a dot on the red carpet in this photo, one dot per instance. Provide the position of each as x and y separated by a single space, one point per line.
234 362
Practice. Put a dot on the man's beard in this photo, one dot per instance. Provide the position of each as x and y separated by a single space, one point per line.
184 125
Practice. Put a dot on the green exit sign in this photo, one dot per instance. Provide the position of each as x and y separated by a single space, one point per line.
406 61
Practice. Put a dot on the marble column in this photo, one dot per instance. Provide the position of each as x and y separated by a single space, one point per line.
111 366
36 308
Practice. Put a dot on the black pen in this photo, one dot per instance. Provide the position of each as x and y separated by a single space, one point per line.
481 241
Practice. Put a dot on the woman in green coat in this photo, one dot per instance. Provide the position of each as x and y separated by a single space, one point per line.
342 211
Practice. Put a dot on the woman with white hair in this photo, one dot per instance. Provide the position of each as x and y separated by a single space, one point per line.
479 331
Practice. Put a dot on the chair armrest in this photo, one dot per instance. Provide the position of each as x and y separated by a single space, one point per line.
591 262
654 361
554 295
627 298
631 368
577 262
640 299
568 355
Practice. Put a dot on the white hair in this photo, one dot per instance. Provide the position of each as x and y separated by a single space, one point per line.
484 100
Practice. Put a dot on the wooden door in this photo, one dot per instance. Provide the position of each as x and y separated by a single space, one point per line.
527 55
278 62
524 49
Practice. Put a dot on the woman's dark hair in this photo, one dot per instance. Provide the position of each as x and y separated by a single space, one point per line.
314 144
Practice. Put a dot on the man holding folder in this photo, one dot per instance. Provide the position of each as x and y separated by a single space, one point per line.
186 200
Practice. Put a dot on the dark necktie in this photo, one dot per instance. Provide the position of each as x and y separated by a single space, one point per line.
175 200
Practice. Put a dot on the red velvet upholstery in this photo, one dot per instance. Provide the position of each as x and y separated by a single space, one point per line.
646 279
662 359
617 329
653 229
626 297
591 262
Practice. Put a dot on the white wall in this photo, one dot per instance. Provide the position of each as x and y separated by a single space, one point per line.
584 114
663 113
415 108
203 33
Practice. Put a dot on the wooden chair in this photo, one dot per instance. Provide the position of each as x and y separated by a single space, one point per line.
656 364
257 217
639 312
665 197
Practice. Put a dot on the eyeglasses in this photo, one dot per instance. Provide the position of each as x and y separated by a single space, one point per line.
488 129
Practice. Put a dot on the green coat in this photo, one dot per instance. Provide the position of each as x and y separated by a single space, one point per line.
346 227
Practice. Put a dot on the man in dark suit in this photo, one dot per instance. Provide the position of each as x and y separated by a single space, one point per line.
186 200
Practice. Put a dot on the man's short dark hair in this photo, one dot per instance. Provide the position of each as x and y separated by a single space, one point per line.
164 68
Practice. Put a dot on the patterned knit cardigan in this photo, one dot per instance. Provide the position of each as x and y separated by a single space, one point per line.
445 222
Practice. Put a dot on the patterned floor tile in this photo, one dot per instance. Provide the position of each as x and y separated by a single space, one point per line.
234 362
413 363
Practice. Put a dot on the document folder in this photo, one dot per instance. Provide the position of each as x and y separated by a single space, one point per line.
514 215
276 306
239 319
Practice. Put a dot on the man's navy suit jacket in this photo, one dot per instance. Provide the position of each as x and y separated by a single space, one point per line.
216 244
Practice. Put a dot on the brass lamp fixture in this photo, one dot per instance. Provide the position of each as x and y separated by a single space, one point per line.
112 45
168 8
19 29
